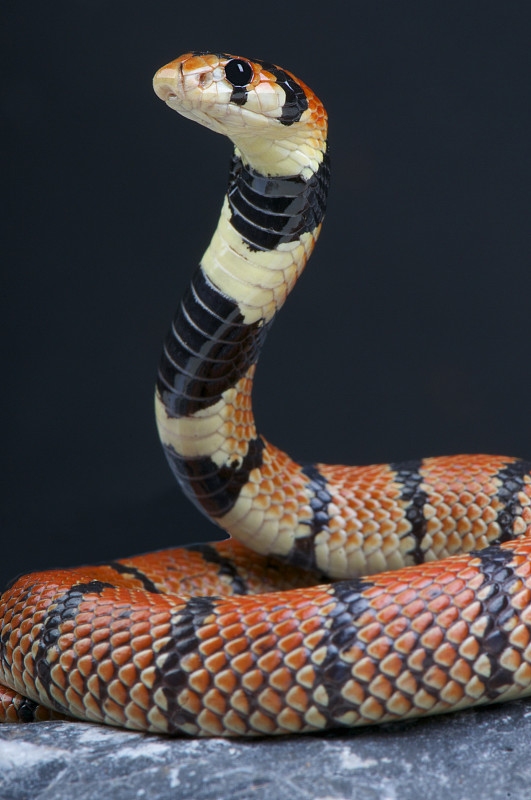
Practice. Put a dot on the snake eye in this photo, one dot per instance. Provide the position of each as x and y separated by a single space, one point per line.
238 72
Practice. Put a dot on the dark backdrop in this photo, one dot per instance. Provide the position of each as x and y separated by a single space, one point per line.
407 336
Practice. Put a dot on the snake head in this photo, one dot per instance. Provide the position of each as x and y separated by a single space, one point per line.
276 121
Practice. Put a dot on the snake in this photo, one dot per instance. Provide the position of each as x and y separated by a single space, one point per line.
345 596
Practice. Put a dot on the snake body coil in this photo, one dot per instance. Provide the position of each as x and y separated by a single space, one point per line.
179 641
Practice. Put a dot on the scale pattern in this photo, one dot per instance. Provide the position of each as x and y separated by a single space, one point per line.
218 640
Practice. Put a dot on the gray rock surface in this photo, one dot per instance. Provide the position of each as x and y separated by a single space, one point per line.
476 754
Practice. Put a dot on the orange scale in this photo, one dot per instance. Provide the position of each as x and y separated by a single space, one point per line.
307 612
82 647
103 616
452 693
296 659
309 625
191 662
240 701
281 679
212 630
17 661
283 621
387 613
255 623
143 626
267 486
92 707
67 660
455 587
364 670
510 659
234 631
216 662
214 701
156 632
446 654
381 687
270 700
66 641
128 674
522 599
121 655
523 569
85 665
435 677
457 632
243 663
117 692
489 515
99 651
369 632
469 574
379 648
457 511
100 634
25 625
211 646
209 723
253 680
263 644
306 676
422 622
464 598
404 643
406 596
432 638
226 681
76 681
439 604
416 660
143 660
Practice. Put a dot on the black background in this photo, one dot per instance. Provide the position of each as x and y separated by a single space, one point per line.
409 333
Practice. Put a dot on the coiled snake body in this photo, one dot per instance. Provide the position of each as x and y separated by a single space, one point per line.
179 641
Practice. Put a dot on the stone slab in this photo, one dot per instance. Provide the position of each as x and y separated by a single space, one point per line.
483 753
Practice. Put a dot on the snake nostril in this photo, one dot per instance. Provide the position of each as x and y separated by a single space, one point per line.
203 80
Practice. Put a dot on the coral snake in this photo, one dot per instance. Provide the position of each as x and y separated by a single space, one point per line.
429 605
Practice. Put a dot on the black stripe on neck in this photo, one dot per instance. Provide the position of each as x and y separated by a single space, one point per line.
214 489
296 100
207 350
267 211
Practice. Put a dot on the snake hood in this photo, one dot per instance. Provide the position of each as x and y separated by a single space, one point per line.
276 122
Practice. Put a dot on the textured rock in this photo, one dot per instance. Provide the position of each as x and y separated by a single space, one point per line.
475 754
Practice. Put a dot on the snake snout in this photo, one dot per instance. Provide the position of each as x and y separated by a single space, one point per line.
165 82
